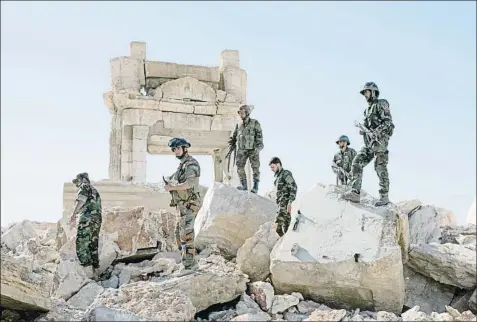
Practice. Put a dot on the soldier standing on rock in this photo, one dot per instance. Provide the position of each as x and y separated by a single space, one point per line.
249 140
286 193
186 197
342 160
378 127
88 205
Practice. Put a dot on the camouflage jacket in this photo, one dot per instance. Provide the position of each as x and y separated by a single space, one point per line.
188 171
92 200
286 187
377 118
343 160
248 135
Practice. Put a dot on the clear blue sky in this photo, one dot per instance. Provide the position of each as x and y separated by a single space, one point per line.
306 62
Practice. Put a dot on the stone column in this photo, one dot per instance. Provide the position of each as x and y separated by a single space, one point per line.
115 147
139 152
235 79
126 152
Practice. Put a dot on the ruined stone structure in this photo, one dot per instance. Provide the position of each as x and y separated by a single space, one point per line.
153 101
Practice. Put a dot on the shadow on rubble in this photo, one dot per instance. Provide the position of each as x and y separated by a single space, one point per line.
9 315
216 309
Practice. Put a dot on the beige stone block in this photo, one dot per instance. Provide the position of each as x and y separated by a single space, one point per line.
223 123
231 98
243 75
229 58
187 121
127 74
205 108
120 100
143 102
221 96
139 170
228 109
139 156
134 116
137 49
233 81
176 107
140 132
126 156
173 70
188 88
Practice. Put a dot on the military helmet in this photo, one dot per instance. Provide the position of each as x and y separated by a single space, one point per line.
372 87
178 142
245 108
343 138
80 177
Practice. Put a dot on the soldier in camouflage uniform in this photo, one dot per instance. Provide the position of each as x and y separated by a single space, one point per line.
186 197
342 160
249 140
88 205
286 193
377 120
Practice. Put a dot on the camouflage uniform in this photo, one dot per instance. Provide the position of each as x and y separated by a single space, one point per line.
378 119
188 203
343 160
286 193
249 140
89 224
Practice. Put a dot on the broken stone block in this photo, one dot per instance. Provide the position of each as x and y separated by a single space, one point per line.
23 289
102 313
18 233
62 312
449 264
331 315
473 301
253 258
257 316
426 224
247 305
147 300
188 88
83 299
428 294
139 271
282 302
349 255
229 216
458 234
263 294
306 307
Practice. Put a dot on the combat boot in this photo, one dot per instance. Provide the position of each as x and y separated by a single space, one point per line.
243 185
383 201
352 196
255 186
183 271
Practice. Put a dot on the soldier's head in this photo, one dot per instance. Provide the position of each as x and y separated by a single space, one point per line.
370 91
343 141
244 111
179 146
81 178
275 164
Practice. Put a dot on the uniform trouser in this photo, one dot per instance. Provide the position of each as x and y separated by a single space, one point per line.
362 159
242 157
185 233
283 219
87 240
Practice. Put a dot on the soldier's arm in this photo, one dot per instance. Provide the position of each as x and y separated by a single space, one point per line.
192 171
81 199
258 136
334 166
291 187
385 115
233 138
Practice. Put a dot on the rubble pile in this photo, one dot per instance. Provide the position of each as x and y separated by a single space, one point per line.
343 262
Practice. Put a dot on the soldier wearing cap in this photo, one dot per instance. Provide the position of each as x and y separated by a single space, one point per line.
379 123
249 140
186 197
88 206
342 160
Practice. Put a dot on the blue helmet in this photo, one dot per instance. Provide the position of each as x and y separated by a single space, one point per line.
372 87
178 142
343 138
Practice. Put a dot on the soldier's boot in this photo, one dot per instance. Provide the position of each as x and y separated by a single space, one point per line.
183 271
383 201
243 185
351 195
255 186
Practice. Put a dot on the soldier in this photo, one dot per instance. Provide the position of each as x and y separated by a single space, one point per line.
342 160
186 197
88 205
286 194
379 128
249 140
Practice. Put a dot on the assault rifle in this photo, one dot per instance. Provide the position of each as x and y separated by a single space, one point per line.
372 136
173 193
346 174
232 149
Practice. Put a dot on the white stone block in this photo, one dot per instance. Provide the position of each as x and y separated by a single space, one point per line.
127 74
137 49
223 123
176 106
229 58
233 81
228 109
187 121
140 132
141 117
188 88
205 108
173 71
